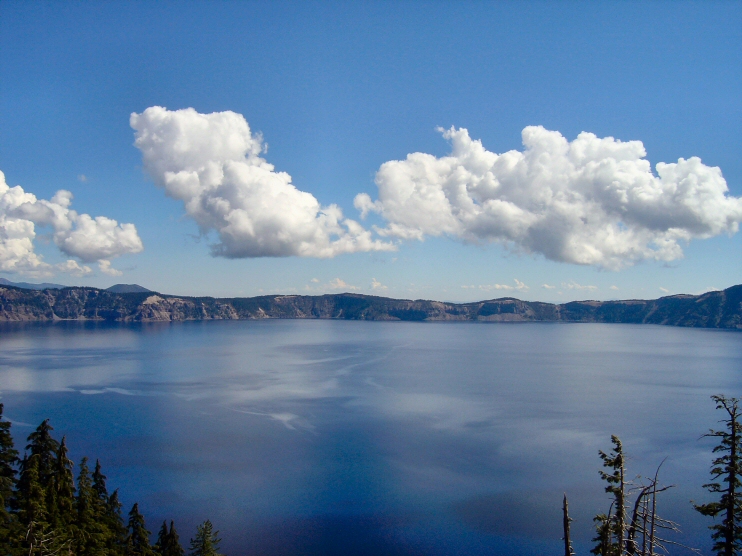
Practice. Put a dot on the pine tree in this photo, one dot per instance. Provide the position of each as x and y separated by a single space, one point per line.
727 535
168 543
63 489
602 538
162 539
42 445
137 543
107 513
206 542
116 528
99 484
91 529
30 502
617 487
174 547
8 462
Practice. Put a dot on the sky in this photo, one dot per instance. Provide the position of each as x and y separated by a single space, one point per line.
456 151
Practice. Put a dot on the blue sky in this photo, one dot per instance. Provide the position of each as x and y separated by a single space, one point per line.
339 89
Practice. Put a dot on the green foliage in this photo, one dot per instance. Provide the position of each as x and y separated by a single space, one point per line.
611 528
137 543
725 472
206 541
602 538
63 489
44 447
43 512
168 542
8 462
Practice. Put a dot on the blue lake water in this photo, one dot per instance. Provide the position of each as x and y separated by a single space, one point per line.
340 438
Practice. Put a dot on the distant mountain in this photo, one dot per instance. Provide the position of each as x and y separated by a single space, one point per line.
128 288
719 309
30 286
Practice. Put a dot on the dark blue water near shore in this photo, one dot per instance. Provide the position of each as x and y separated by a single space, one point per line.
330 438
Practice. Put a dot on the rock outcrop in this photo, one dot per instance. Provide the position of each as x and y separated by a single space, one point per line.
720 309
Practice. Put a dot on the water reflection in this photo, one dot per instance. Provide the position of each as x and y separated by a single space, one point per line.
322 437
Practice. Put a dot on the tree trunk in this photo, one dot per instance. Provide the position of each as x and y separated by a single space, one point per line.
567 542
731 528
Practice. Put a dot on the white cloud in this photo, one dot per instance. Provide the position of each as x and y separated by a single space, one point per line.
82 177
212 163
547 287
575 286
334 285
614 288
519 286
376 285
78 235
591 201
665 290
73 267
340 284
105 268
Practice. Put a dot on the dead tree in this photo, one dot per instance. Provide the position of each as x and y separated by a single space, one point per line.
566 520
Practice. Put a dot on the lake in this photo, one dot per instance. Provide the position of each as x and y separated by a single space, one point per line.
357 438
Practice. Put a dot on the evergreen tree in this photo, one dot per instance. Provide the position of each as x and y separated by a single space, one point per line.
617 487
174 547
30 501
206 542
137 543
42 445
162 539
602 538
168 543
63 489
117 530
106 510
99 484
92 533
8 462
727 535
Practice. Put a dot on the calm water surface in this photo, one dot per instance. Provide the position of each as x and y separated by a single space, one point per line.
356 438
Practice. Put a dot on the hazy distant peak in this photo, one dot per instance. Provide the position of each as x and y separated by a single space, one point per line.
127 288
30 286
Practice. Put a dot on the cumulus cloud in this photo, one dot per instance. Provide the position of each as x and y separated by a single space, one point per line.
71 266
519 286
212 163
592 201
575 286
334 285
547 287
77 235
340 284
105 268
614 288
376 285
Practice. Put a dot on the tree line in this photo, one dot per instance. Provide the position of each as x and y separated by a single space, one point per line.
635 528
44 511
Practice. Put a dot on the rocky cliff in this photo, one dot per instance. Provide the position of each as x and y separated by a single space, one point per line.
721 309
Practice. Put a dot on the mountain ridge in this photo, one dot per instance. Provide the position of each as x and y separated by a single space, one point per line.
718 309
31 285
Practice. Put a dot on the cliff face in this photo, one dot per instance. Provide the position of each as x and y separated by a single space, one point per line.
711 310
